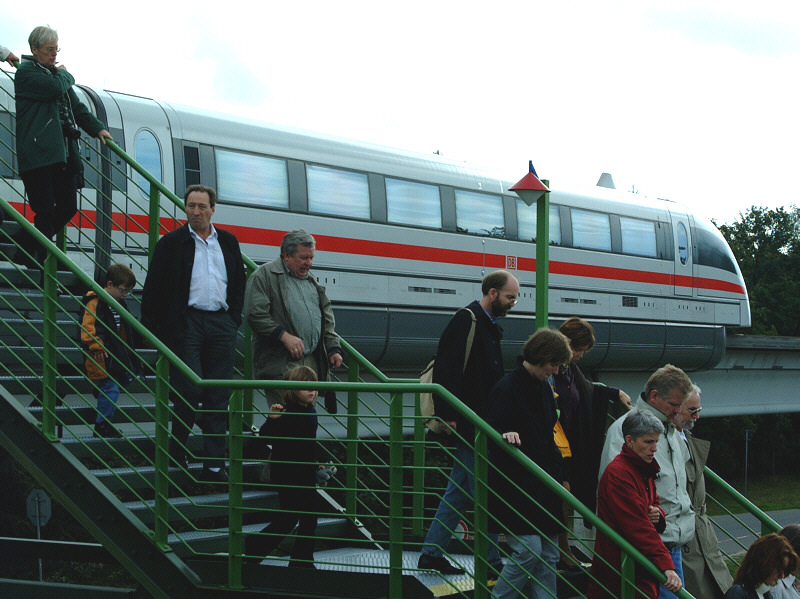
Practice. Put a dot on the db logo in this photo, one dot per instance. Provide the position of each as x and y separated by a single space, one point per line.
511 263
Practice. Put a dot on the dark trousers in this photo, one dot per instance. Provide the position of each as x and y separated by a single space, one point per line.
53 198
207 346
292 501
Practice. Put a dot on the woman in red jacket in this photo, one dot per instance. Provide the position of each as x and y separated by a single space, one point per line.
627 501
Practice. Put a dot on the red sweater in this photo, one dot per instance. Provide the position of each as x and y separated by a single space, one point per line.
626 490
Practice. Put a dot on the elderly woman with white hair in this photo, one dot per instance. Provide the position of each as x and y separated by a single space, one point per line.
48 116
627 501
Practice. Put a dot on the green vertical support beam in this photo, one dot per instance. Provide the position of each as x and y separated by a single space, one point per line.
154 222
235 444
161 526
396 496
481 515
628 571
49 336
418 477
543 259
351 447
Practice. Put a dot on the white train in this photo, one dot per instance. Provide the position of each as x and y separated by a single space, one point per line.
404 239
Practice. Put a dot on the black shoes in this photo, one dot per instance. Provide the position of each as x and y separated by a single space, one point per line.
440 564
210 476
104 430
493 573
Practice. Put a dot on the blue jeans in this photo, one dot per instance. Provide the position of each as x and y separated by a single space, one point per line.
454 505
107 396
678 561
531 571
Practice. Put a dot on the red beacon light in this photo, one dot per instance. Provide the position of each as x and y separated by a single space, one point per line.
530 189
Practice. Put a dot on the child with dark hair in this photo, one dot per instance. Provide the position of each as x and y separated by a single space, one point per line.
292 429
108 343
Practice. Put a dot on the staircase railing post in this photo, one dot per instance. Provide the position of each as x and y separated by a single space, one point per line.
153 229
418 477
396 493
235 469
162 453
351 448
49 354
481 515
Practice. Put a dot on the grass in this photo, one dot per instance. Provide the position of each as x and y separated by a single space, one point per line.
768 493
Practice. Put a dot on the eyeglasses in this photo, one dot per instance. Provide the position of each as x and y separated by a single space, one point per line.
694 411
51 50
124 290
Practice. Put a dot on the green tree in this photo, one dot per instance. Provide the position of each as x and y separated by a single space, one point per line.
766 243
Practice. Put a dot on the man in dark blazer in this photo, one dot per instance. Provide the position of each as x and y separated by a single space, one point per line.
471 385
192 300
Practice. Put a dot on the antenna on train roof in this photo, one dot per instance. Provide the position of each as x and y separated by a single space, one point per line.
606 180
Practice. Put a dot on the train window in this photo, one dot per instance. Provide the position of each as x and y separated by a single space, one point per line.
591 230
683 243
526 223
148 154
479 214
337 192
413 203
251 179
638 237
712 250
191 165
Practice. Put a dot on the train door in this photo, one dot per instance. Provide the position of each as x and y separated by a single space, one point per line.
683 275
148 140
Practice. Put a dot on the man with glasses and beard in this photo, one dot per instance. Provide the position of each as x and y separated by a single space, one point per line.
470 384
705 571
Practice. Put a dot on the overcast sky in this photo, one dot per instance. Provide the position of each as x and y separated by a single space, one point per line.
690 100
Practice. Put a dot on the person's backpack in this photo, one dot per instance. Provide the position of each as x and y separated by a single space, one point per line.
426 405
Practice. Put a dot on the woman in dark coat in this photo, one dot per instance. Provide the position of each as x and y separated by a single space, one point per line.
767 560
48 114
627 501
583 410
521 408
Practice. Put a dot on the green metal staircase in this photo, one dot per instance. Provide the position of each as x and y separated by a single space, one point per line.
179 537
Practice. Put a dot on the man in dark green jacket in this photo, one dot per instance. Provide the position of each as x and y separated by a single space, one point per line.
48 111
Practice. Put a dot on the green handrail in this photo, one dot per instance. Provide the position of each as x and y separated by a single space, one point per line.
239 406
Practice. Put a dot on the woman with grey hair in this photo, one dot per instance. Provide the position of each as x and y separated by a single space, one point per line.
48 116
627 501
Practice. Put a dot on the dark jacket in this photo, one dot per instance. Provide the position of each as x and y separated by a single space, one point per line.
739 591
484 368
294 446
165 296
588 432
99 332
626 490
267 314
521 403
40 139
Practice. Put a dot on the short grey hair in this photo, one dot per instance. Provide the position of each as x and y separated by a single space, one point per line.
296 238
42 35
696 389
641 422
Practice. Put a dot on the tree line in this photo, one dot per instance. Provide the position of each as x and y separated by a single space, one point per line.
766 244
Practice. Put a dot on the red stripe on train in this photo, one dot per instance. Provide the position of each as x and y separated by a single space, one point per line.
138 223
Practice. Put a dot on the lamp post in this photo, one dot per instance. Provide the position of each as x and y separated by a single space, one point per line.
531 190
